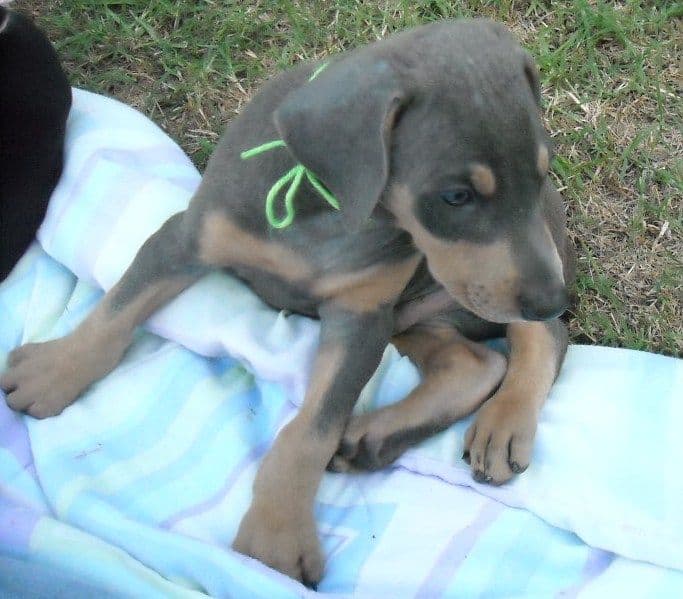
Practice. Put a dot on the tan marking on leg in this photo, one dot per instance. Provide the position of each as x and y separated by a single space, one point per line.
325 368
533 362
223 243
483 179
138 309
47 377
422 342
279 529
543 160
368 289
422 309
500 442
458 375
464 371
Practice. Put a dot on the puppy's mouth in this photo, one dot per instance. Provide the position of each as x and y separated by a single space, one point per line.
476 299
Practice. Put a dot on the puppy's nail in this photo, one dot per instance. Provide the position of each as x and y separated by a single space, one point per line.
466 457
479 476
311 584
516 468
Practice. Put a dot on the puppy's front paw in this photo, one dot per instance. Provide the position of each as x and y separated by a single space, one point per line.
44 378
499 443
283 538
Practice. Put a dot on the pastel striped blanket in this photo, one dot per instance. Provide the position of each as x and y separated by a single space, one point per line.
138 488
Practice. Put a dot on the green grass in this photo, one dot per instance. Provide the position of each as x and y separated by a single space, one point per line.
611 84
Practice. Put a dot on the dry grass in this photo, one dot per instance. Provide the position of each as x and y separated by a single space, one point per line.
612 86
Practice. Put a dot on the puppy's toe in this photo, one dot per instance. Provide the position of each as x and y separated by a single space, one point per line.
20 353
45 409
311 565
339 464
283 538
369 443
8 381
498 469
476 452
349 446
521 447
18 401
500 442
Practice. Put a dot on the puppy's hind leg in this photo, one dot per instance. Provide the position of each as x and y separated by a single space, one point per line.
44 378
458 376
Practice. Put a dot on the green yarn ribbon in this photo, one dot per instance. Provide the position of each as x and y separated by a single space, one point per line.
294 177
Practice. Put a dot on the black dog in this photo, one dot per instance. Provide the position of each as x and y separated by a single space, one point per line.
34 104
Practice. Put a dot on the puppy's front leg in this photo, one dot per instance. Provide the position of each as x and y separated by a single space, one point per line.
279 528
44 378
500 441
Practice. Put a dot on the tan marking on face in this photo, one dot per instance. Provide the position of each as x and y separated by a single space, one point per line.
223 243
543 160
481 277
367 289
483 179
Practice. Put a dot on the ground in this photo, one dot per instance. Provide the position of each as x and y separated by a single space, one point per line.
612 88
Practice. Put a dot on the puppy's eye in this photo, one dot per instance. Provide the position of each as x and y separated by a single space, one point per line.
458 196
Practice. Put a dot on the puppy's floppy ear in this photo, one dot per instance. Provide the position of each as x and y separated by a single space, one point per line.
339 127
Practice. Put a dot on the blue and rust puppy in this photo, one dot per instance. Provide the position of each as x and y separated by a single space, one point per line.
449 232
35 98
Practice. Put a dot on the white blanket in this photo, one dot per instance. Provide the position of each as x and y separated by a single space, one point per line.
605 463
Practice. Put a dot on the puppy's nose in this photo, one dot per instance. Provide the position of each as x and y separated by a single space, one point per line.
543 304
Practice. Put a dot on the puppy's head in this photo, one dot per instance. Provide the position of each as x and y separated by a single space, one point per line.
440 126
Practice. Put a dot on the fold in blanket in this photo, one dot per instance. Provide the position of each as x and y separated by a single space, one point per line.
149 473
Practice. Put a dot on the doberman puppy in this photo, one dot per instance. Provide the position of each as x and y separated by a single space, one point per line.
35 98
449 232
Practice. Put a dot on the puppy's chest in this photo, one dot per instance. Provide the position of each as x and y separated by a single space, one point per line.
277 291
361 290
314 262
304 284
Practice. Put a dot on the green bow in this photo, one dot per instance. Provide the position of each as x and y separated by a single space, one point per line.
294 177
